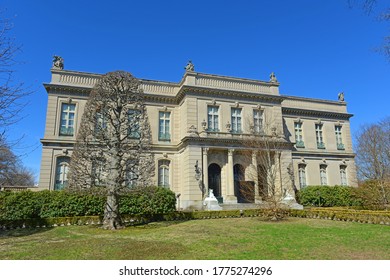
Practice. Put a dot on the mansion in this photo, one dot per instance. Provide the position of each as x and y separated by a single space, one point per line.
203 133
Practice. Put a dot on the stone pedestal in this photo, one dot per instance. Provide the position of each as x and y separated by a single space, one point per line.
211 202
291 203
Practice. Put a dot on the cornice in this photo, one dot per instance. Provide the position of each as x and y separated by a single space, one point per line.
229 142
286 111
184 90
322 154
205 91
71 90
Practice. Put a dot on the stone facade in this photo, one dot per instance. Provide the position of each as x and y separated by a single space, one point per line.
209 119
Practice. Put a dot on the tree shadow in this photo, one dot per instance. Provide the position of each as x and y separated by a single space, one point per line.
21 232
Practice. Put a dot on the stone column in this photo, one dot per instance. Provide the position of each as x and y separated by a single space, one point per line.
205 168
230 197
255 176
278 183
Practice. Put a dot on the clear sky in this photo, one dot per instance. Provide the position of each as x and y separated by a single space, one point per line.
316 48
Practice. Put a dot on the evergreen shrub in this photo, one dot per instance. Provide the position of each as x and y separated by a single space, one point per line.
328 196
50 204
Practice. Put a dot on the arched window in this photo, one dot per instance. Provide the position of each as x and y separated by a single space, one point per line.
163 173
343 175
302 175
62 168
323 176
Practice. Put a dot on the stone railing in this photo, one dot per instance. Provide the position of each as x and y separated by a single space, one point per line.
233 84
79 79
72 78
158 87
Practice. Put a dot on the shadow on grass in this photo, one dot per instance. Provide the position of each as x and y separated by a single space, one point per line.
21 232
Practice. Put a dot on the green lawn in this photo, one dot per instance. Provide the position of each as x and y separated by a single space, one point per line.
239 238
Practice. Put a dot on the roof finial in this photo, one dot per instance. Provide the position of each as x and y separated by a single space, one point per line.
58 62
272 78
190 67
341 96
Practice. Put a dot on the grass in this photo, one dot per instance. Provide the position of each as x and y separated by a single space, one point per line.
239 238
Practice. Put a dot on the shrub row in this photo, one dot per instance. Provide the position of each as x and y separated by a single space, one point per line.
348 215
327 196
50 204
374 217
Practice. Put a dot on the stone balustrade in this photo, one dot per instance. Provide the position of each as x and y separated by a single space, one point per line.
233 84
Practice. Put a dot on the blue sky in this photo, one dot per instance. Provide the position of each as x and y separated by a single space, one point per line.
316 48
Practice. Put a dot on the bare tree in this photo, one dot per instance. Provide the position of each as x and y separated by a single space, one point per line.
113 144
12 173
268 171
369 7
373 154
12 93
12 102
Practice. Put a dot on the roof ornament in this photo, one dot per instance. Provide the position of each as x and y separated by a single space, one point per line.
340 96
190 67
272 78
58 62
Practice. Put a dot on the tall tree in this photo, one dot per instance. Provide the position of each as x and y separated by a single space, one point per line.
113 144
369 7
11 92
373 151
12 173
373 157
12 102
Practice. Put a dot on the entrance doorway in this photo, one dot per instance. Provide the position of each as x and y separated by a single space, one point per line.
243 190
262 179
215 179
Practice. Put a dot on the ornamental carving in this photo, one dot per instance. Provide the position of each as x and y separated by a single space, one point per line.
272 78
190 67
58 62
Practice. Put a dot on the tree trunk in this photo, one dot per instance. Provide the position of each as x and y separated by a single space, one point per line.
112 219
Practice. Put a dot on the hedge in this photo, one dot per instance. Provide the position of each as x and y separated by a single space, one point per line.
361 216
51 204
328 196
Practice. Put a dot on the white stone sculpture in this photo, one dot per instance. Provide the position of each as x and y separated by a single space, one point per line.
211 202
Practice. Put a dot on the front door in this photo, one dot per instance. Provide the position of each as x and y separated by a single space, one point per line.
215 179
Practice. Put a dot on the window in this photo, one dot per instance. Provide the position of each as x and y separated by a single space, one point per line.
100 122
212 118
67 119
258 121
62 168
323 177
163 173
302 175
134 118
343 175
319 137
339 138
99 172
298 135
236 120
132 173
164 126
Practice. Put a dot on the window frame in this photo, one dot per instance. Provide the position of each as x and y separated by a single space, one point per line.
236 120
67 130
213 118
258 121
163 134
163 173
319 136
298 134
323 175
61 178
